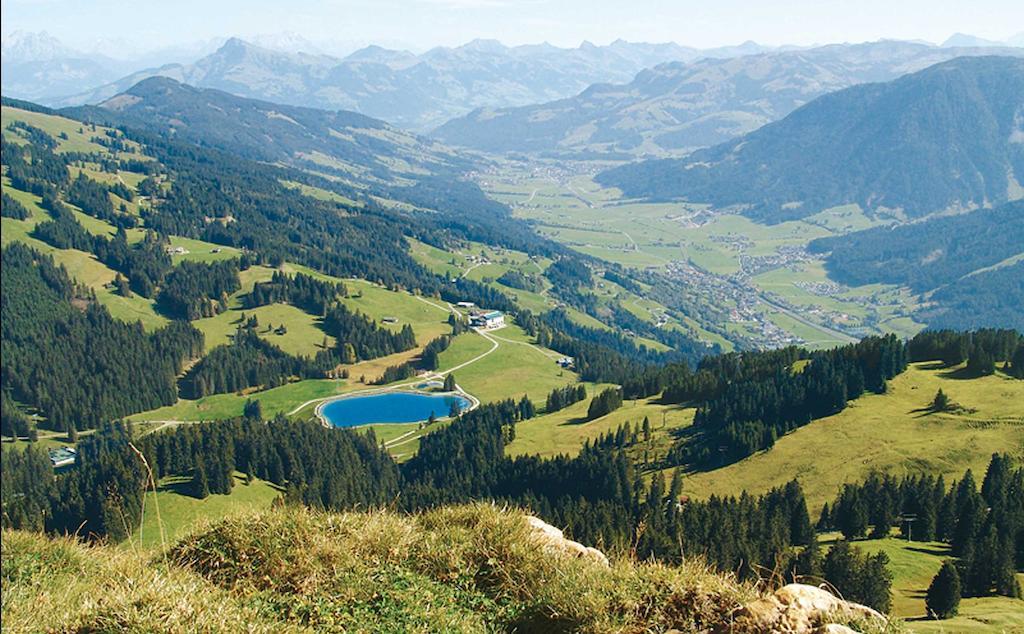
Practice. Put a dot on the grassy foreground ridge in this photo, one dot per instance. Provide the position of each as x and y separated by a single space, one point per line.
460 569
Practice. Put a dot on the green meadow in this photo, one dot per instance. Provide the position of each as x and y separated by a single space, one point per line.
886 433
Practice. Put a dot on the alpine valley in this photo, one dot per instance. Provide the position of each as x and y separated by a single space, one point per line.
615 338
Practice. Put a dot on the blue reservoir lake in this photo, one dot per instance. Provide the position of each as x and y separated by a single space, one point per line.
389 407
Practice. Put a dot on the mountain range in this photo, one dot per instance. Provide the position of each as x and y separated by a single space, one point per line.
676 107
39 67
417 92
950 137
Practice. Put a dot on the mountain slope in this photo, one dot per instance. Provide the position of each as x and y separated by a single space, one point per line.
344 143
950 136
677 107
970 267
418 92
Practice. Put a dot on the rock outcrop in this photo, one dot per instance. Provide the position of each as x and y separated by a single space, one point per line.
803 609
553 539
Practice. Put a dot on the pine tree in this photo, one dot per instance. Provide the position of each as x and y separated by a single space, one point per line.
449 383
941 402
825 519
943 597
253 410
200 484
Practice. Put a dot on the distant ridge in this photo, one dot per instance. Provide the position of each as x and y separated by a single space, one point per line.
674 108
417 92
350 144
950 137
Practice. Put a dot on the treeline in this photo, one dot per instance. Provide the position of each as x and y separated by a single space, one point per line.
984 527
78 365
102 495
316 466
193 290
953 347
599 356
569 274
11 208
359 338
249 361
748 406
516 279
14 423
300 290
429 357
562 397
602 499
599 495
605 403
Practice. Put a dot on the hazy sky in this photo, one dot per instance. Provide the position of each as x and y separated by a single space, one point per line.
420 24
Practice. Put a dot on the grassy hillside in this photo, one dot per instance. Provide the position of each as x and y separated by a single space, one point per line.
888 433
565 431
171 512
462 569
913 565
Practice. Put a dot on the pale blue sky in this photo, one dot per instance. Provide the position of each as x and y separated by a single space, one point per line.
420 24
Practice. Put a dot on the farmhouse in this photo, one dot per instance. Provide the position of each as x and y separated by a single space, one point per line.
489 320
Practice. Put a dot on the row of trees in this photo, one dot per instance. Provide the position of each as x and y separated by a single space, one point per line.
303 291
605 403
562 397
193 290
984 528
358 337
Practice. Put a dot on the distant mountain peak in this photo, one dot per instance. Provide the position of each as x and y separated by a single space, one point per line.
484 45
961 40
25 46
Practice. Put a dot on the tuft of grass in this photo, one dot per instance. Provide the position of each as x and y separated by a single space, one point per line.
467 568
61 585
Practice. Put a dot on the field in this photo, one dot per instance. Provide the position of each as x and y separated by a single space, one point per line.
513 369
564 432
913 565
171 512
276 400
889 433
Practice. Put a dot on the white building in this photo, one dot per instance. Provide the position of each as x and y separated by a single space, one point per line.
489 320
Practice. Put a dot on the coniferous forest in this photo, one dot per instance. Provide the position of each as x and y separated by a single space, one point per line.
66 356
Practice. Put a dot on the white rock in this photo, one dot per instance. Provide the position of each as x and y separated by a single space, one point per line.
554 539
